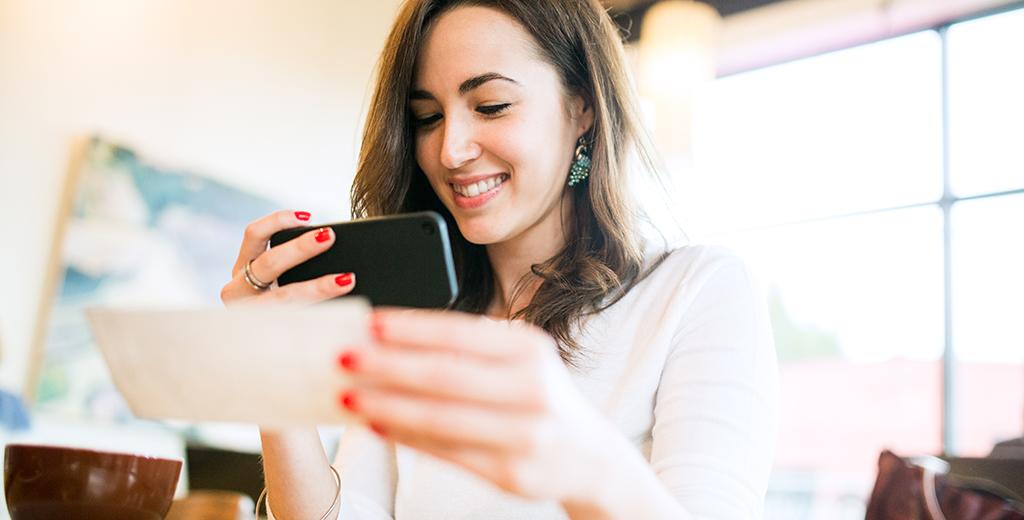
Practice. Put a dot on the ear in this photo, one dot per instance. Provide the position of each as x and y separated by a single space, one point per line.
582 114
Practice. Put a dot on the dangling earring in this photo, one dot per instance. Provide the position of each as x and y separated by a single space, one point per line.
581 165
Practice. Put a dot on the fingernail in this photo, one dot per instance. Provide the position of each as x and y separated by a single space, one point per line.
323 235
343 280
375 326
378 429
348 400
348 361
302 215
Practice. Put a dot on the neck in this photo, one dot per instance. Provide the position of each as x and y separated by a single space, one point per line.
512 259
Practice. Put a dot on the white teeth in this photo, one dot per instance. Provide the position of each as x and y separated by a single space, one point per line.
483 186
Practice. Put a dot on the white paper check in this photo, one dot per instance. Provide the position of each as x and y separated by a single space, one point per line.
262 365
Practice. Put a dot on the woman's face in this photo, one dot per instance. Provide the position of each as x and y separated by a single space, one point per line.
495 131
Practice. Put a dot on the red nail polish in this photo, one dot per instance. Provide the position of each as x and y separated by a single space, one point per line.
348 400
348 361
343 280
323 235
302 215
376 329
378 429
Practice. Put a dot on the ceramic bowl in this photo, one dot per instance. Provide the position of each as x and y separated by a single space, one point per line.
55 482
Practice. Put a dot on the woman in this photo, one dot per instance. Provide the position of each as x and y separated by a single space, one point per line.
615 379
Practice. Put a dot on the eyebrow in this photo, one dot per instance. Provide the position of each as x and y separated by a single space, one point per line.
466 86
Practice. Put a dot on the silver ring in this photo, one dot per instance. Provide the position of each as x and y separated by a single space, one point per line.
254 282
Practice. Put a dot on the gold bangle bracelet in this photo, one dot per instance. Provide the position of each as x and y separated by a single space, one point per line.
337 496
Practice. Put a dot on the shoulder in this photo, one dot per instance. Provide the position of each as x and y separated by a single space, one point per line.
680 282
705 291
695 298
687 270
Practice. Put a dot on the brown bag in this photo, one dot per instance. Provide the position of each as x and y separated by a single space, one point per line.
905 491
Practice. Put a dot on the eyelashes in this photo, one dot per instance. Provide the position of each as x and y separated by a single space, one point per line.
487 110
491 110
426 121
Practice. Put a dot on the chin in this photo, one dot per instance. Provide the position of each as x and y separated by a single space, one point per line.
481 231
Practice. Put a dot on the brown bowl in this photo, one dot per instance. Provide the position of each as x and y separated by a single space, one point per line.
53 482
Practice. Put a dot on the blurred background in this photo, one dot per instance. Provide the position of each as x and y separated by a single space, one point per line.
863 155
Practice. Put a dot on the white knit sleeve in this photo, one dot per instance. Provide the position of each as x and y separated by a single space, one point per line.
715 411
369 475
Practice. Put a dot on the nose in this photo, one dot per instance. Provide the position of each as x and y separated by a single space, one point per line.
459 147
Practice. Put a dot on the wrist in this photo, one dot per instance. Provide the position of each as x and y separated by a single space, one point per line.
603 479
620 484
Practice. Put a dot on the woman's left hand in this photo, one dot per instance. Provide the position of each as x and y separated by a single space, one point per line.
492 397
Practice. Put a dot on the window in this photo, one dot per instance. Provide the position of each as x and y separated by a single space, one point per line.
988 333
830 176
844 132
986 109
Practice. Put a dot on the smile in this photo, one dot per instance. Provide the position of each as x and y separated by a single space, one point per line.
481 187
472 196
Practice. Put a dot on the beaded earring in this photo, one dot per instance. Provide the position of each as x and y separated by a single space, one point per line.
581 165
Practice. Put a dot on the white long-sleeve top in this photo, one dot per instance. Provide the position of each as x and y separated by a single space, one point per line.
683 365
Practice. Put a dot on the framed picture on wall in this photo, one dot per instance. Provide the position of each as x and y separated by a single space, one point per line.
131 233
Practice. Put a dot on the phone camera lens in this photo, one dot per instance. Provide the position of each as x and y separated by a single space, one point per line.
428 228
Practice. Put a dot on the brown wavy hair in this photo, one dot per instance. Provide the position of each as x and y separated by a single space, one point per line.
604 257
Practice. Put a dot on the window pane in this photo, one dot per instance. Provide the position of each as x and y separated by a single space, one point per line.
857 311
986 108
988 332
847 131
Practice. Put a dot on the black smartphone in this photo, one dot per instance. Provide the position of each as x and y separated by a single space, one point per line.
403 260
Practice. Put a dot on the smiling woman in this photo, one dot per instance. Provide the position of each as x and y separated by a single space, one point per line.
497 106
617 377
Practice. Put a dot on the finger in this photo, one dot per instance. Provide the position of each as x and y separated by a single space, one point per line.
508 472
447 375
480 461
411 417
237 289
461 332
271 264
312 291
477 458
258 233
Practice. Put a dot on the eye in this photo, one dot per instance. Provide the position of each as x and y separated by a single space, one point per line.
421 122
492 110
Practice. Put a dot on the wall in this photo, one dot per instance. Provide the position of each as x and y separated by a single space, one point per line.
264 95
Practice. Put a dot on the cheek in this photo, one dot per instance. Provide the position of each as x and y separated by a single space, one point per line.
539 156
427 157
528 149
422 144
531 147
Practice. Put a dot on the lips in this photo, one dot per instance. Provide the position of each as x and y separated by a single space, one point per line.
472 195
480 187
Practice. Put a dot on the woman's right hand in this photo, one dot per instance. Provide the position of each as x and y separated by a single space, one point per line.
268 264
295 466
